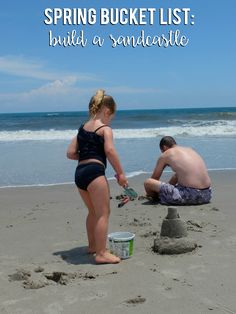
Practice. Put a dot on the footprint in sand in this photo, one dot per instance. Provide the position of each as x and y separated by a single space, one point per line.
135 301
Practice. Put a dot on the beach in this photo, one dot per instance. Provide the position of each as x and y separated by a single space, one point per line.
45 267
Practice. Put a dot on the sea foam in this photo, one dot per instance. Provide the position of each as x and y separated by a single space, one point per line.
218 128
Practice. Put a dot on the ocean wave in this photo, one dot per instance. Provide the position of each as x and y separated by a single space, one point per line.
39 135
52 114
217 129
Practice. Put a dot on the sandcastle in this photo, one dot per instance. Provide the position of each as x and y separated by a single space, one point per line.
173 236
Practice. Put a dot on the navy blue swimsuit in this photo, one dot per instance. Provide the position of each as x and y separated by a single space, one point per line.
91 146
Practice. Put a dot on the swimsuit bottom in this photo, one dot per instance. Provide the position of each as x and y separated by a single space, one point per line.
182 195
86 173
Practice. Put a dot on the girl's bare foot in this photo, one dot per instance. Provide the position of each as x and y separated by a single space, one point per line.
91 250
106 258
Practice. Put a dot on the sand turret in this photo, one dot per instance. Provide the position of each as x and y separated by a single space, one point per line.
173 237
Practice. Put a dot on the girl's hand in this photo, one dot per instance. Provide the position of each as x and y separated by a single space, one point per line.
121 180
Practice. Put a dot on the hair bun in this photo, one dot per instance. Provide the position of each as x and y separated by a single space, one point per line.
98 97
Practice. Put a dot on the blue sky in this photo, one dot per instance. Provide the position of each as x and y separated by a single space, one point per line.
35 77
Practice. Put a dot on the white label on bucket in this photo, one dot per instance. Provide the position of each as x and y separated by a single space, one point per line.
121 249
121 244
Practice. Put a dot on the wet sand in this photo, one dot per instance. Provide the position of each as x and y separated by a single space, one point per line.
44 267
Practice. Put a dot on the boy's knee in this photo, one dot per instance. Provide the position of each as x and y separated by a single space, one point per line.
147 183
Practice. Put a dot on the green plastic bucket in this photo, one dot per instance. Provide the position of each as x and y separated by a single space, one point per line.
121 244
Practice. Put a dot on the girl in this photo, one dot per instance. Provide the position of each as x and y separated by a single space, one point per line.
91 147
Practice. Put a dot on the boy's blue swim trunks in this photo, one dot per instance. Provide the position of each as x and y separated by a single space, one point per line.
182 195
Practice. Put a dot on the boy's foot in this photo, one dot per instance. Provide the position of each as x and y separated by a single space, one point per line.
107 258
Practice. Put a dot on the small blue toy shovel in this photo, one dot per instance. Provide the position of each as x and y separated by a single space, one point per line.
130 192
130 195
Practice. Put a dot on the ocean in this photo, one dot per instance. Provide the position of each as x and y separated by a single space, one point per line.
33 145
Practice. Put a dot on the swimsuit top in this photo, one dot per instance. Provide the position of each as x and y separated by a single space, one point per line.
91 145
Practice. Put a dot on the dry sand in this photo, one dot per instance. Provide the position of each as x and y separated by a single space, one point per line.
44 267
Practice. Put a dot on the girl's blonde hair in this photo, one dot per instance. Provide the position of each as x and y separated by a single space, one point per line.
99 100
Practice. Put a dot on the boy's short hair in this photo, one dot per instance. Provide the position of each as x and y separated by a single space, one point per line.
167 141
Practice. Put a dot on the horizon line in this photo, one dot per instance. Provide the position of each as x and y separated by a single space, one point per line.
120 110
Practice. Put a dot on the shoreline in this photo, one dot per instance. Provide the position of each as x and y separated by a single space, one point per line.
139 173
